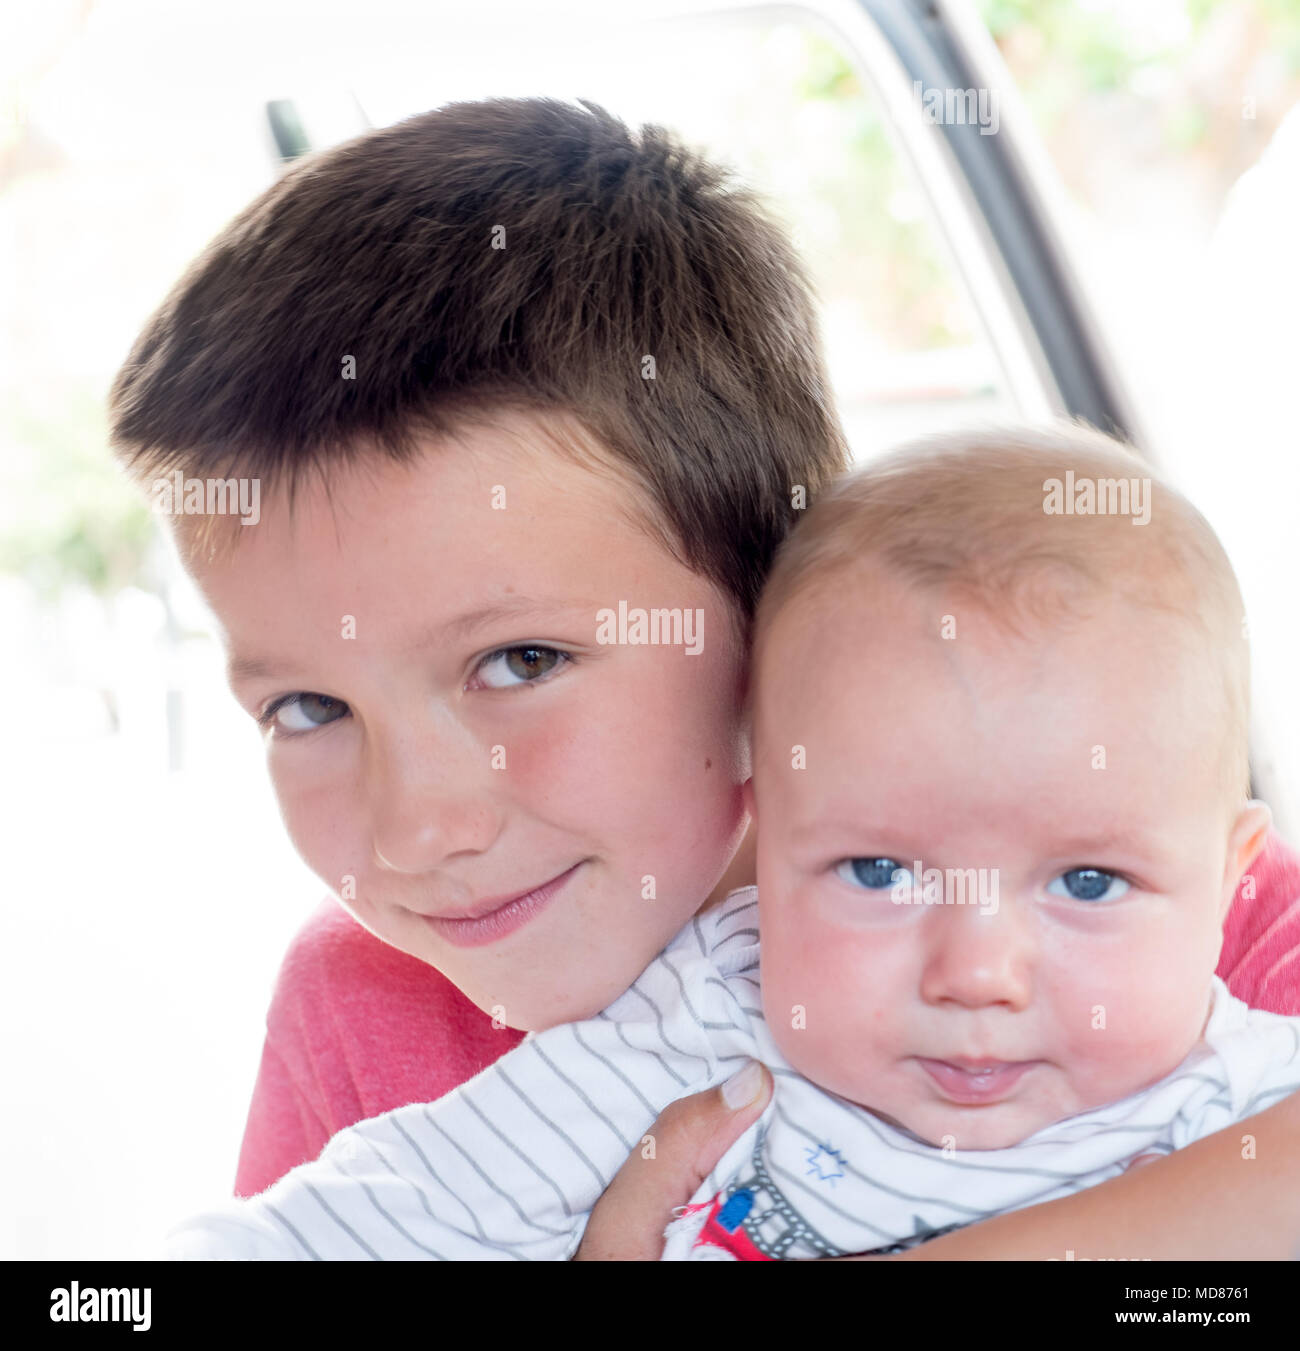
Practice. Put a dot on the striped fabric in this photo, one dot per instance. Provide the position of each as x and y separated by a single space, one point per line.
508 1166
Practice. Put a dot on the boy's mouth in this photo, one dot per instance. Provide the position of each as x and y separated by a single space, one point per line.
497 916
976 1082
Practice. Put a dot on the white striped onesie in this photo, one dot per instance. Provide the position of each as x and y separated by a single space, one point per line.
509 1165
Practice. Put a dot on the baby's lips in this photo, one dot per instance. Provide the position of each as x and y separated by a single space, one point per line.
972 1086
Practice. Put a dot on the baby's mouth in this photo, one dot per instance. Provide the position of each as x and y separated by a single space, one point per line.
976 1083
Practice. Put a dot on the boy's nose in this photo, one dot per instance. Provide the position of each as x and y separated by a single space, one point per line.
427 804
976 958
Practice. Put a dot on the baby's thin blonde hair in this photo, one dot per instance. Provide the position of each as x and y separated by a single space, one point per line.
965 514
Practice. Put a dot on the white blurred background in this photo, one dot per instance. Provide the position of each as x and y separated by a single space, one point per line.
151 890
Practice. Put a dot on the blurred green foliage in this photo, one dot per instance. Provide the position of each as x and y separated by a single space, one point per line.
1065 56
888 254
1060 50
1091 42
67 514
1281 18
72 516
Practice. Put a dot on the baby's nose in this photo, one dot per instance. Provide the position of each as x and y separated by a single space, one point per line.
976 956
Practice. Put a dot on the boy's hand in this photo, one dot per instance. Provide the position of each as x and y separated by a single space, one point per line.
690 1136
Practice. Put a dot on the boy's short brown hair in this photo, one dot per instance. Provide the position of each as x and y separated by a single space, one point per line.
507 254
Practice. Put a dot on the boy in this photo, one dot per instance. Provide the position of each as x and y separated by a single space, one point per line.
493 369
951 680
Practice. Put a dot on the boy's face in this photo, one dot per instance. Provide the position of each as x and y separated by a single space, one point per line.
451 733
1053 989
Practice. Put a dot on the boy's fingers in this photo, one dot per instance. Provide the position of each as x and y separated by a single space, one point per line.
667 1166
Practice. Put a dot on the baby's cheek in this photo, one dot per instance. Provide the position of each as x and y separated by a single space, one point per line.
1118 1038
798 1014
824 1010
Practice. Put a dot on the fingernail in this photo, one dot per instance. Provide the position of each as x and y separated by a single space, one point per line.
743 1087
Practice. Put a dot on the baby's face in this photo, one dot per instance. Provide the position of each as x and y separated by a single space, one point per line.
446 730
1077 772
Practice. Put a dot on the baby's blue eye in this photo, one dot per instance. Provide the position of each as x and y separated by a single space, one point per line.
876 874
1088 884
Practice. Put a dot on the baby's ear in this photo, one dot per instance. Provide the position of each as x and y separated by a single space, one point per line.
748 791
1245 840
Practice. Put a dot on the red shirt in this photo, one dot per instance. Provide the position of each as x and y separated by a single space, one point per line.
357 1028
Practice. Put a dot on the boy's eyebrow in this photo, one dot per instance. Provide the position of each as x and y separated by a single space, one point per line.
462 625
471 620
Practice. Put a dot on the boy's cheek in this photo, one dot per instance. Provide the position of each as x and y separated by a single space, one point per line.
324 828
643 733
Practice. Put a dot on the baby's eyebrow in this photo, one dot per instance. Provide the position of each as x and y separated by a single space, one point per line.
1123 839
819 828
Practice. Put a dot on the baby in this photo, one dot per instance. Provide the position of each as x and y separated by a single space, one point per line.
999 713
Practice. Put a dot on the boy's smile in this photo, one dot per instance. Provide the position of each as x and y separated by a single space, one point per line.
455 754
496 916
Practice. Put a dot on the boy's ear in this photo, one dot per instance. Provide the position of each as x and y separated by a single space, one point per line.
747 789
1245 840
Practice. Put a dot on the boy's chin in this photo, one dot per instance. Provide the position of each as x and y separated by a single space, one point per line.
539 1010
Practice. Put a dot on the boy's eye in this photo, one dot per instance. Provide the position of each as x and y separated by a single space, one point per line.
876 874
1088 884
522 665
303 712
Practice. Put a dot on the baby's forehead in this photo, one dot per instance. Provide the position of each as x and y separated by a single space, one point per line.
893 677
851 624
894 548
